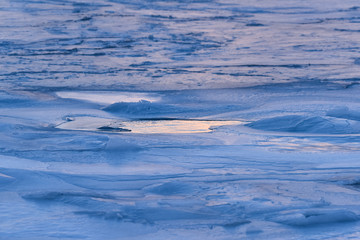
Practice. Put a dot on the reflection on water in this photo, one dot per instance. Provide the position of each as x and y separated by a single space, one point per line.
143 126
307 145
108 97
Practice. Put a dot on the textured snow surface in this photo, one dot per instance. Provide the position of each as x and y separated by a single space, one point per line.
184 119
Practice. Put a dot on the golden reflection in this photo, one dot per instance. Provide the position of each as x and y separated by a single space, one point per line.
175 126
144 126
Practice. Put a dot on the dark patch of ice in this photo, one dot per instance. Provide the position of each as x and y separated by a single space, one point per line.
62 196
236 224
172 188
113 129
141 108
254 24
252 230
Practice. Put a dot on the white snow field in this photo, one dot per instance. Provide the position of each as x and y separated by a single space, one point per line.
183 119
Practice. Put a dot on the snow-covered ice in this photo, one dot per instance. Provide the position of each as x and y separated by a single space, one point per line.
184 119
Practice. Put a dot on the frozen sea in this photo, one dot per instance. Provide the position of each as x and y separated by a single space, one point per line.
181 119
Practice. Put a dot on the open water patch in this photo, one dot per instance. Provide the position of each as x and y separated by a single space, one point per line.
109 97
143 126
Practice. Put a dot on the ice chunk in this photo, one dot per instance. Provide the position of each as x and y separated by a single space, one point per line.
316 217
344 112
305 124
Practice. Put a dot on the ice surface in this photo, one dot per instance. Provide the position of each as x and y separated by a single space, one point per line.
305 124
184 119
